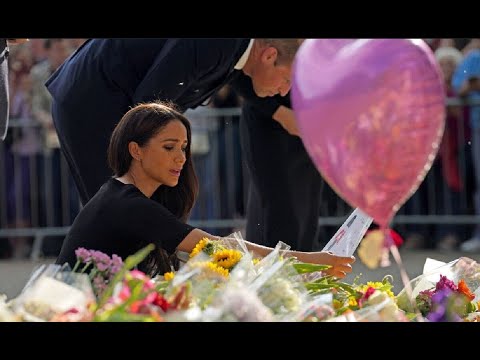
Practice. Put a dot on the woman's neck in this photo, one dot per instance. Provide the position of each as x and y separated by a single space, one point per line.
145 186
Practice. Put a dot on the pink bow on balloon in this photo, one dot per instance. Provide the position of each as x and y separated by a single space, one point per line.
371 115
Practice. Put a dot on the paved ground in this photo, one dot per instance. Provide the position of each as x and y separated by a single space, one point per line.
14 274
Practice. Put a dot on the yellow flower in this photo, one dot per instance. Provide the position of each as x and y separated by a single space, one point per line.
378 285
352 301
211 267
256 261
199 247
168 276
227 258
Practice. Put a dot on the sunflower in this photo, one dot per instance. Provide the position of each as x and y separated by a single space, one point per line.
211 267
199 247
227 258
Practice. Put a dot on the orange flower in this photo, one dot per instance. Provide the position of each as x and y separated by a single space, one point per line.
463 288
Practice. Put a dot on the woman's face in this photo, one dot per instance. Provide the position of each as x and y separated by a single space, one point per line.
163 156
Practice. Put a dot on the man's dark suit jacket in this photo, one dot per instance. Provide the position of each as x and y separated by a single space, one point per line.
285 188
104 78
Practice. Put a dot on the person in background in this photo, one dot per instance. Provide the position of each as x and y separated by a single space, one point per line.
446 166
59 196
466 82
4 93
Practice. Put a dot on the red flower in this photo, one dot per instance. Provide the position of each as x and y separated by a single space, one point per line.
365 296
161 302
397 239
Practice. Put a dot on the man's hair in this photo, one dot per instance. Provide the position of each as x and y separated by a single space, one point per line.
287 48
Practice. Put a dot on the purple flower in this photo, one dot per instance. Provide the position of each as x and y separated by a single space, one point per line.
438 311
444 283
117 264
443 306
83 255
99 284
102 261
427 293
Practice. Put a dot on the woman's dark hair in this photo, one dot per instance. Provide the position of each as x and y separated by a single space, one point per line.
140 124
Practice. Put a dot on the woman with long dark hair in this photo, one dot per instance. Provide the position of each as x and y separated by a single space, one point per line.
151 194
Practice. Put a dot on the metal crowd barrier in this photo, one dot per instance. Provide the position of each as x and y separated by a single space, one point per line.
37 201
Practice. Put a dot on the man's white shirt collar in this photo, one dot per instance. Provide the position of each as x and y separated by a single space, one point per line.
241 63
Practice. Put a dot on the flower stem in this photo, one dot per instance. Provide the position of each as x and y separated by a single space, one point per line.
77 264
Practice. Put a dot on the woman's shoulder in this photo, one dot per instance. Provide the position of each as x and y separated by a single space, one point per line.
127 195
117 195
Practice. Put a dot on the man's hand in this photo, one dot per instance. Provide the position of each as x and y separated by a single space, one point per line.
286 118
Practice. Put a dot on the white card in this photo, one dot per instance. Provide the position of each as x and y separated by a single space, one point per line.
348 237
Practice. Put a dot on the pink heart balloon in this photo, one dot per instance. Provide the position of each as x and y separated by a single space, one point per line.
371 114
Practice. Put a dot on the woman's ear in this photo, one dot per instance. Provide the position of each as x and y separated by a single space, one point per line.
135 150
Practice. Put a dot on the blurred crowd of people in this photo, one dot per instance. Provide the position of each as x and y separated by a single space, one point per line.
39 191
452 186
35 192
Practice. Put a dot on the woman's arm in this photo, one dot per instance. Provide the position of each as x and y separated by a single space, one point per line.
340 265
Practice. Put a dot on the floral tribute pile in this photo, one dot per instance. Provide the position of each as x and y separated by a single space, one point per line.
222 281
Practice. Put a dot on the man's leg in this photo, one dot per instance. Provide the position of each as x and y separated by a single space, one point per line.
84 138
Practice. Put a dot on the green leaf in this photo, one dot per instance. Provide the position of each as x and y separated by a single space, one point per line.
325 279
317 287
303 268
347 287
410 315
470 307
161 287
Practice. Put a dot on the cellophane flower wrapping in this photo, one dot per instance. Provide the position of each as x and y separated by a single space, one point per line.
53 290
216 268
6 312
277 285
379 307
204 272
463 271
318 308
237 302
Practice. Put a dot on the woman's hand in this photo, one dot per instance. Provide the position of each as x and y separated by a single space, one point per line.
341 265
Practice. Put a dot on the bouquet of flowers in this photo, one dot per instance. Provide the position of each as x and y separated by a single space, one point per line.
208 268
279 290
449 292
53 290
